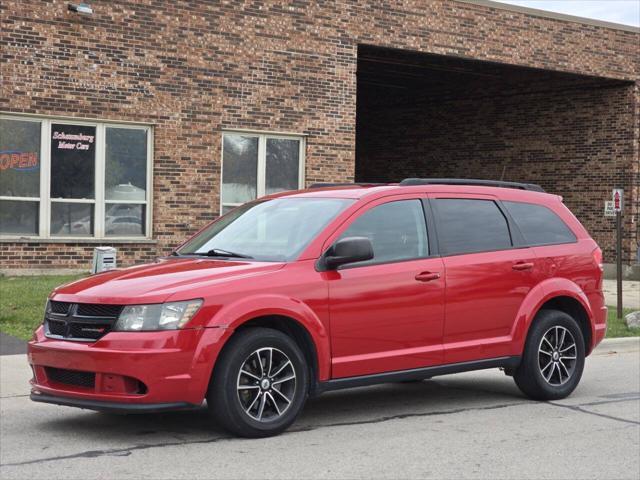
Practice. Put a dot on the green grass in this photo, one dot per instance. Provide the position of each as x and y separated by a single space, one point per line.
617 327
22 302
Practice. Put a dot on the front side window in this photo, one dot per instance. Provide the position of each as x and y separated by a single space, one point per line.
538 224
254 165
470 225
274 230
68 179
397 231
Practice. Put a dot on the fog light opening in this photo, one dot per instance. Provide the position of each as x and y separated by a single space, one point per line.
142 388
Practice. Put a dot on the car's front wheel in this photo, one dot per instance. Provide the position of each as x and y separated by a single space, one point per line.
260 383
553 358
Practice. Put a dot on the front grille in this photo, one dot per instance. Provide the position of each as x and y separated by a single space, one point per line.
71 377
80 321
91 331
96 310
57 327
59 307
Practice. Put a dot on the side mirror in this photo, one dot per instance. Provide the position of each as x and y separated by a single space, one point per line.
348 250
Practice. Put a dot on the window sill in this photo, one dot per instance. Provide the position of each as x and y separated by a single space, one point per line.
90 241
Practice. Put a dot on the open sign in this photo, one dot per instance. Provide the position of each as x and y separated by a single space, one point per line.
11 159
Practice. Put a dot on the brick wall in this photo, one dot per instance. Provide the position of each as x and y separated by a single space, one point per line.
576 139
194 68
68 256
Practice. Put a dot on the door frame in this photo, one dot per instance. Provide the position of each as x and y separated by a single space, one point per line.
432 240
517 239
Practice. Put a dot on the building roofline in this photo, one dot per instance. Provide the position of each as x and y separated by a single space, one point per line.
553 15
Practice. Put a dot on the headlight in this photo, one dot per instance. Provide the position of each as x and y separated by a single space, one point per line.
161 316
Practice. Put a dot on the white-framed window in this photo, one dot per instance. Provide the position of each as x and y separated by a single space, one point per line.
257 164
75 179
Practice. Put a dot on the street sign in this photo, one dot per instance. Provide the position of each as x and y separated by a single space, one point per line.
616 196
608 209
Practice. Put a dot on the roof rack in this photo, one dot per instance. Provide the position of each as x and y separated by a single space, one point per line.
345 184
470 181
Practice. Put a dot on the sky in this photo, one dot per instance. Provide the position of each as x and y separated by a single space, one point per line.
618 11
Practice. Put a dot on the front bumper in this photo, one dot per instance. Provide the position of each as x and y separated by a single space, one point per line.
111 407
169 369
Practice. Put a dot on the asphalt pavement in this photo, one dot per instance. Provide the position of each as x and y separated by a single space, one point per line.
11 345
472 425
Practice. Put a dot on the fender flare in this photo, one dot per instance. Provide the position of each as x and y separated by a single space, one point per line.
539 295
234 315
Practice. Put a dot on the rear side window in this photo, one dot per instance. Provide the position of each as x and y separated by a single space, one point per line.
538 224
469 225
397 231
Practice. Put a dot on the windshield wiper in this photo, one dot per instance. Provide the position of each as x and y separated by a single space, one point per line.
218 252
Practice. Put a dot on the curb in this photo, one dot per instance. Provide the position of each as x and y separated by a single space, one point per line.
626 343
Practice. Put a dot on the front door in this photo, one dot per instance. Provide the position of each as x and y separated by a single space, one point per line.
387 313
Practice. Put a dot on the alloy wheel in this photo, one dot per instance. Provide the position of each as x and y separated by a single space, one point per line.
557 355
266 384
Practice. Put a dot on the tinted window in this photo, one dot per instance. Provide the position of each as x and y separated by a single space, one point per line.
397 231
538 224
466 226
72 161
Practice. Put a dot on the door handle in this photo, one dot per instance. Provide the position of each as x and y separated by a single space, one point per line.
427 276
523 266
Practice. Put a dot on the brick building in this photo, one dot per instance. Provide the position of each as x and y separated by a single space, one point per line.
135 125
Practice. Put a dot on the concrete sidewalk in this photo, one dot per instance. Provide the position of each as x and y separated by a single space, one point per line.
630 293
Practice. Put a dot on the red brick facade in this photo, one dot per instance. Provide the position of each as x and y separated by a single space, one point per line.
192 69
574 136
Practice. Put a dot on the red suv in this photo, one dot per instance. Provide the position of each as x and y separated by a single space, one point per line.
333 287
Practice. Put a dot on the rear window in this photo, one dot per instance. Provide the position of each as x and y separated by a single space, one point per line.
538 224
469 225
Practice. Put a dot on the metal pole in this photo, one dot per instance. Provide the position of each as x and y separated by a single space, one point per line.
619 262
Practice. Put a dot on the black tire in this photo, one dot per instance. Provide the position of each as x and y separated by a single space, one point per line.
533 374
225 399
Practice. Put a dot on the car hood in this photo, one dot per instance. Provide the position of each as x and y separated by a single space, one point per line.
168 278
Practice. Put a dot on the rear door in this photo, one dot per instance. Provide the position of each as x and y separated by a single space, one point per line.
387 313
488 275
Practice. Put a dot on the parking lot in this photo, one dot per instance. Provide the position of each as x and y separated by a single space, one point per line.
474 425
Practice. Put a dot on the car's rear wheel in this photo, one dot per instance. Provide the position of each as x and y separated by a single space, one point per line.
553 358
260 383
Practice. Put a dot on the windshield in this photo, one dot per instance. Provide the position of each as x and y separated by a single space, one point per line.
274 230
